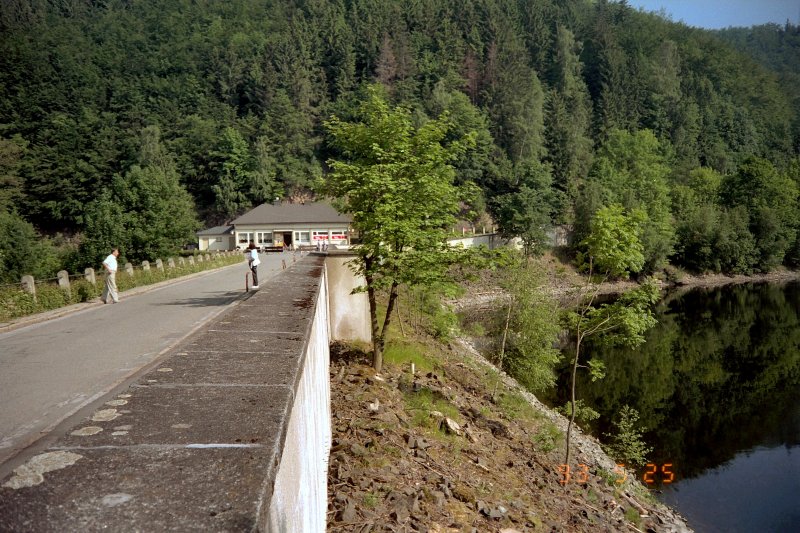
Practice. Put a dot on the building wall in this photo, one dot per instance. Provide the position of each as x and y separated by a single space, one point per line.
275 228
212 244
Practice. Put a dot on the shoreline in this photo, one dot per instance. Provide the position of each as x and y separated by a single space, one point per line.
718 280
688 282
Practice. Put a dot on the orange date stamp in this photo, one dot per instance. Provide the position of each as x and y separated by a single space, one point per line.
653 474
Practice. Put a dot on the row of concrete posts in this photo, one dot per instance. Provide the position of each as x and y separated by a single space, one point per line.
29 283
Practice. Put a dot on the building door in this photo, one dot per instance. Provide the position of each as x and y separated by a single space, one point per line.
287 238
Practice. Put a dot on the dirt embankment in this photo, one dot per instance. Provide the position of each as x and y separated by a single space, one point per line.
461 448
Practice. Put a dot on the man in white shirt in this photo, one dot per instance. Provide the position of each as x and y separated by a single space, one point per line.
110 264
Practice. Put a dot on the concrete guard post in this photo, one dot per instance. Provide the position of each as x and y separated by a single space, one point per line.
63 280
29 285
88 273
348 312
146 266
190 259
160 265
129 269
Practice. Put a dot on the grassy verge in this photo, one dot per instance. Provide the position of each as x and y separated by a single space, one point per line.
16 302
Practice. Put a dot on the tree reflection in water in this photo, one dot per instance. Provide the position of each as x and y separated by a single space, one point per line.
719 374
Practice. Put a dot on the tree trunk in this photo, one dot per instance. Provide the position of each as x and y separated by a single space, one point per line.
503 344
380 340
377 340
572 396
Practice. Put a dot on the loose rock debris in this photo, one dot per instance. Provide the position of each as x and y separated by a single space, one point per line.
394 467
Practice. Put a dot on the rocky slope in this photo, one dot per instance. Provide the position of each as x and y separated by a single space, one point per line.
457 446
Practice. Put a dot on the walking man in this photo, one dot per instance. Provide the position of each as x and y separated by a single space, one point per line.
110 264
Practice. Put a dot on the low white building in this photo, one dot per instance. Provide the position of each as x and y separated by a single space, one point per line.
276 225
216 238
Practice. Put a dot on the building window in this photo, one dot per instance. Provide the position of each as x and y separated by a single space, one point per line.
302 237
245 237
320 235
264 238
338 235
218 239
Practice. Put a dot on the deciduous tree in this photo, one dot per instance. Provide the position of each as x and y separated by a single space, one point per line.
396 181
613 247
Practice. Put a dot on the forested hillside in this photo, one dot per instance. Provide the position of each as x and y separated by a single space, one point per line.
137 121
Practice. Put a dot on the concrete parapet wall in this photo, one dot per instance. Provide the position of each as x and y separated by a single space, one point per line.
300 496
229 432
348 312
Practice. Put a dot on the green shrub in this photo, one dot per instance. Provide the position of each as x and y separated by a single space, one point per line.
547 437
515 406
424 401
83 291
124 281
673 274
583 413
406 353
15 302
426 310
51 297
627 444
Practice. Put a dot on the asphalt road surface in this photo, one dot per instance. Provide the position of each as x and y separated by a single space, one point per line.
51 370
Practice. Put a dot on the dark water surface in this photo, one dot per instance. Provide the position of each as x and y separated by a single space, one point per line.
717 385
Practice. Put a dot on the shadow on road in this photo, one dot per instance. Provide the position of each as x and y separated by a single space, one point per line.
208 301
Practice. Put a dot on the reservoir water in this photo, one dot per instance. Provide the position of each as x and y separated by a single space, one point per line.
717 386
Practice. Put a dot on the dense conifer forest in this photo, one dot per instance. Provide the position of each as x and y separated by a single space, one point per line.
139 121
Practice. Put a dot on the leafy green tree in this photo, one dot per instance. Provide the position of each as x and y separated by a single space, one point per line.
396 181
613 249
626 443
734 245
530 332
23 251
11 184
664 90
292 143
770 199
515 100
697 218
792 172
146 213
697 229
465 118
526 211
631 168
613 246
613 75
264 185
107 225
